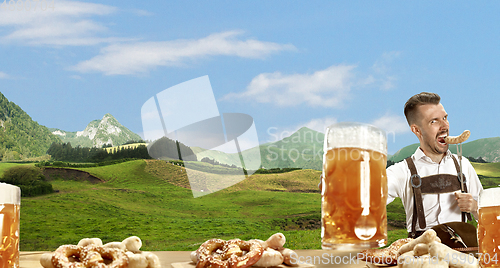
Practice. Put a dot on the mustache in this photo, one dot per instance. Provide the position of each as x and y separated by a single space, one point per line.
442 132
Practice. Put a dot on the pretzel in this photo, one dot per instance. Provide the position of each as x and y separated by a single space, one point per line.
74 256
94 256
89 253
61 257
218 253
457 139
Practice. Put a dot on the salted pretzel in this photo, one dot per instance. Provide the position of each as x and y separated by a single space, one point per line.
218 253
96 256
91 253
68 256
74 256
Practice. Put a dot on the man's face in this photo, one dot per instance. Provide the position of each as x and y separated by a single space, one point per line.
431 128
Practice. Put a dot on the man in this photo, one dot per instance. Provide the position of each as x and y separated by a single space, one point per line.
431 162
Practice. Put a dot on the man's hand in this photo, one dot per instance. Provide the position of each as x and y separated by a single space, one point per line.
466 203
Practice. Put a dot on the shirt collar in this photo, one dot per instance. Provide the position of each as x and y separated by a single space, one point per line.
419 155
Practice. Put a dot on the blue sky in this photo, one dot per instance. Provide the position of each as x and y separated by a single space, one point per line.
287 64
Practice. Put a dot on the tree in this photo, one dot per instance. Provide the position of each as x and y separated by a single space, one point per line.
29 178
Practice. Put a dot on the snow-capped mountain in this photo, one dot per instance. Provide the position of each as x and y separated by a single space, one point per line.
98 133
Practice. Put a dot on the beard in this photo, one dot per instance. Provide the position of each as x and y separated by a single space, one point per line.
436 144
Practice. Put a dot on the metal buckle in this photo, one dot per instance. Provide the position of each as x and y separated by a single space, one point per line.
413 177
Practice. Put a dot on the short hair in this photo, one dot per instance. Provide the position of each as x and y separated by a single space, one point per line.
417 100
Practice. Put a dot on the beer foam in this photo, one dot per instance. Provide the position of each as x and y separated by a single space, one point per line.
489 197
355 135
10 194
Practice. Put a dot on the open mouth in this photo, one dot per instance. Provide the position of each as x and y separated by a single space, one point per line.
440 139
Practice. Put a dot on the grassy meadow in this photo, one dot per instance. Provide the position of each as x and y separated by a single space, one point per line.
151 199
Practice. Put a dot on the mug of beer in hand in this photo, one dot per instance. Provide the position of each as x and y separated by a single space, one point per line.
488 228
10 201
354 187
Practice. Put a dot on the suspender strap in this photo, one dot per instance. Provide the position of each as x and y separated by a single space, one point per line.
465 216
416 183
418 204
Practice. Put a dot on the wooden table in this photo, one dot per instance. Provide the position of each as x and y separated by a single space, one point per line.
180 259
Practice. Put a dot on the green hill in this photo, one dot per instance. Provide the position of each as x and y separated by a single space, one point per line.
487 169
302 149
488 149
151 199
137 198
404 152
20 136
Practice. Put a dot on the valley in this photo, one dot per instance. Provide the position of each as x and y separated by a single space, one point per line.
152 199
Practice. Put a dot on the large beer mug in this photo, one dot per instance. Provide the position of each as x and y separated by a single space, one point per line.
488 227
10 201
354 187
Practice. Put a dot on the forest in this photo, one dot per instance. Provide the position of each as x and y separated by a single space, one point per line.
65 152
20 136
163 148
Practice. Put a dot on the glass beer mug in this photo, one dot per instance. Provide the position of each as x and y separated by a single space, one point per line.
488 228
10 201
354 187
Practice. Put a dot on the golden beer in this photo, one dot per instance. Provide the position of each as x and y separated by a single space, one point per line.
488 233
9 249
354 196
10 201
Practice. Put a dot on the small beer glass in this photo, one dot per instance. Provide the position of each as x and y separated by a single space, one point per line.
10 201
354 187
488 228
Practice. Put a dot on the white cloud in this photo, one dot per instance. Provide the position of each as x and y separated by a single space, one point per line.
140 57
394 124
4 75
73 23
68 23
324 88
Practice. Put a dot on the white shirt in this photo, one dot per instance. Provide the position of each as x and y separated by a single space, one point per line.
438 208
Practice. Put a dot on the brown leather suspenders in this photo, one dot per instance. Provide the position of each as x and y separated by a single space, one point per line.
434 184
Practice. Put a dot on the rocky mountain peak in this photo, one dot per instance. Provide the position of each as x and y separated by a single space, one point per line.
106 131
